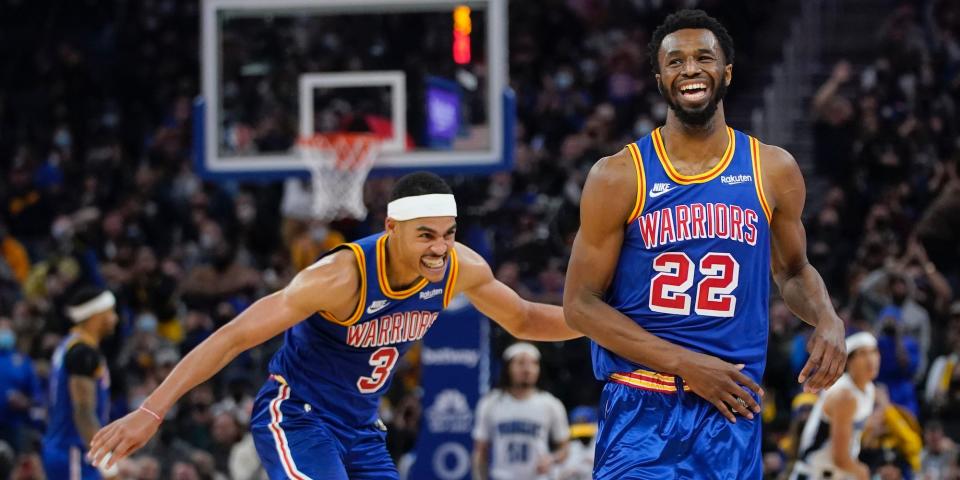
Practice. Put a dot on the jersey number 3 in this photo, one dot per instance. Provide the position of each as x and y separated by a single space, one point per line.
721 275
382 362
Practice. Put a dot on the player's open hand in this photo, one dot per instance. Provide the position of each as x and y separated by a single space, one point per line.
121 438
828 356
722 384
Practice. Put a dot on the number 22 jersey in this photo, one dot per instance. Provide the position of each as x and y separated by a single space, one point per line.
343 367
694 268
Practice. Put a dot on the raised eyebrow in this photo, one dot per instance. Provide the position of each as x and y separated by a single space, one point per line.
424 228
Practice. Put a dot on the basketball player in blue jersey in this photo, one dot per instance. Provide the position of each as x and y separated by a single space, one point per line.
348 319
669 276
79 388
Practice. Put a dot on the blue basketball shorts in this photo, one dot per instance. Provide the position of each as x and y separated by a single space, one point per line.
68 463
651 429
296 441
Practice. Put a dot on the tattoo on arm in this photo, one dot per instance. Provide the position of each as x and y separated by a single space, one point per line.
83 395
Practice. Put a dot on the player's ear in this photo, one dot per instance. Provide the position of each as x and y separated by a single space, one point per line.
390 225
659 84
728 74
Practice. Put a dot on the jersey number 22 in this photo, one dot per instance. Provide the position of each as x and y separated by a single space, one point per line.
721 275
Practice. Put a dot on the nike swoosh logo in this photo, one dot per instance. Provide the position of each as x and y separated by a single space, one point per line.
374 308
655 194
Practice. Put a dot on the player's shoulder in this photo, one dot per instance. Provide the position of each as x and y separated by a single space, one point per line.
775 159
490 399
82 359
472 267
548 399
840 398
342 262
338 273
617 171
611 189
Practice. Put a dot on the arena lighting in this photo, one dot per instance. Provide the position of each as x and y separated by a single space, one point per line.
461 34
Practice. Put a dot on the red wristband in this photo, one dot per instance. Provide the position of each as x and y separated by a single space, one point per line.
151 412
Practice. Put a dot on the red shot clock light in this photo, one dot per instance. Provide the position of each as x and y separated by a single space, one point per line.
461 34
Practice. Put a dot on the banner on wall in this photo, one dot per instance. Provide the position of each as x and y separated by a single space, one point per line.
455 374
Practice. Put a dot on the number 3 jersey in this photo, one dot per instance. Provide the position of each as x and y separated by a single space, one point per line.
694 268
343 367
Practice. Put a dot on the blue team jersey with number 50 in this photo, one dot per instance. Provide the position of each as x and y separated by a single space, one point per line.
694 268
342 367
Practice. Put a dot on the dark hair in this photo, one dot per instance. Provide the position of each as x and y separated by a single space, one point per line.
689 18
419 183
85 294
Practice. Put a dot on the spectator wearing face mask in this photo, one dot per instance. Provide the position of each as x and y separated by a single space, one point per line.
19 388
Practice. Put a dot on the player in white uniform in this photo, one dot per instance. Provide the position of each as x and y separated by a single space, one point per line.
830 442
518 423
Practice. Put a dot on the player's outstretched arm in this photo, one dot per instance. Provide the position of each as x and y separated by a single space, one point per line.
802 287
330 285
523 319
608 199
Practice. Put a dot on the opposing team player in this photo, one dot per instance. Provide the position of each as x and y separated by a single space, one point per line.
669 275
349 318
79 387
830 442
520 431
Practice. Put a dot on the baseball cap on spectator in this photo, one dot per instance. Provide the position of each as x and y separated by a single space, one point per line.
583 422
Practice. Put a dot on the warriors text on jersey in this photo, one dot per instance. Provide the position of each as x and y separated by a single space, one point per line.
342 368
694 268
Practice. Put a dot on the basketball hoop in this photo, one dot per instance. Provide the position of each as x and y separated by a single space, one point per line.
339 164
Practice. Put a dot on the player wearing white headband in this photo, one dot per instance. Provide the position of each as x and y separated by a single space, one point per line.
79 387
348 318
520 431
830 442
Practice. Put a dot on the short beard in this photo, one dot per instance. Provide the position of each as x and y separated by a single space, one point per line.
521 385
698 118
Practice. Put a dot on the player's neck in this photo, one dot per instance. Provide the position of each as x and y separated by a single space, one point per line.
398 277
521 393
86 333
696 147
861 382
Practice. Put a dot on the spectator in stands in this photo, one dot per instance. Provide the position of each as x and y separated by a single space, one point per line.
899 359
20 389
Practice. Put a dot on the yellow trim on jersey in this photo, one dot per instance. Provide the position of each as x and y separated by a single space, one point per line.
758 175
279 379
358 312
647 380
641 182
382 274
452 278
677 177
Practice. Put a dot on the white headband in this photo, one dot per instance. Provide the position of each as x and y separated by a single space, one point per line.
518 348
860 340
430 205
101 303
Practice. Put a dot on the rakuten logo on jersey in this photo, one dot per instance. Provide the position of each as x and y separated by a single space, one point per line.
391 329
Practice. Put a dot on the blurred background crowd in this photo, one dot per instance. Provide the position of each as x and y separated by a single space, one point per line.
98 188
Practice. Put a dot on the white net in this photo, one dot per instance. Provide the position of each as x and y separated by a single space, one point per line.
339 164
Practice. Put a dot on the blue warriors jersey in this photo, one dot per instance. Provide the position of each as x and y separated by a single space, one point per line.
694 268
343 367
61 431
